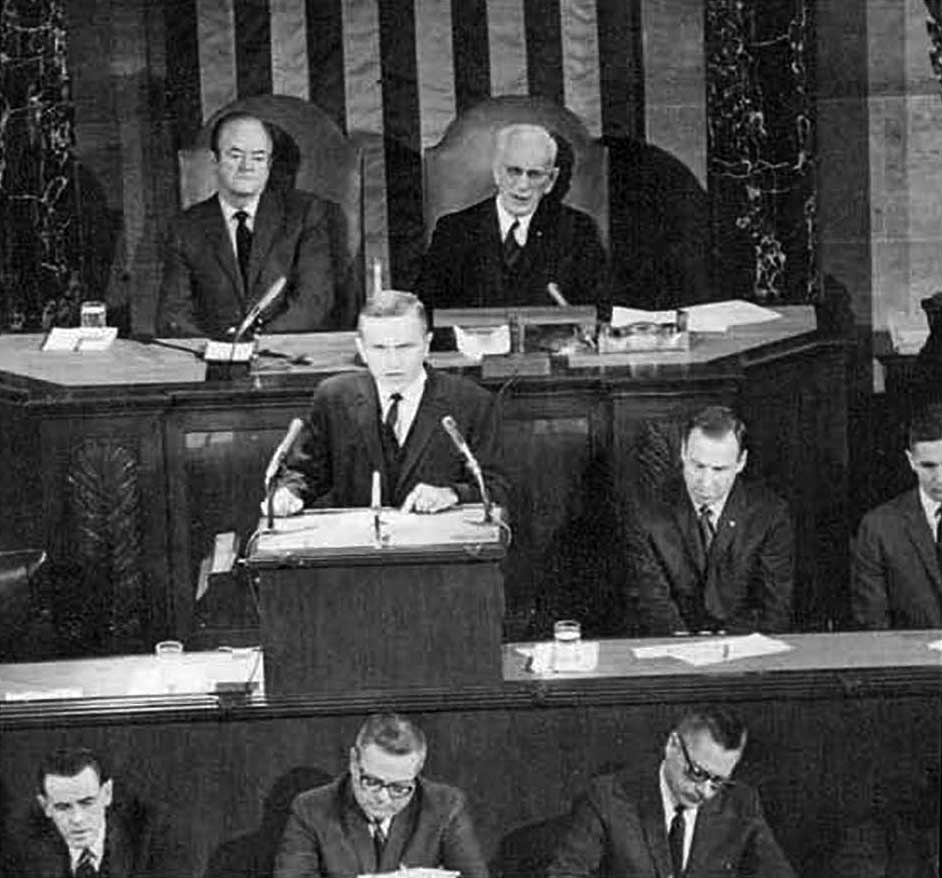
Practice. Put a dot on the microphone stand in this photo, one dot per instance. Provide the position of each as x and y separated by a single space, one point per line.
475 468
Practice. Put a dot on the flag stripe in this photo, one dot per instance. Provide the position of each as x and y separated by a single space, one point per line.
401 128
580 54
216 28
325 44
183 71
507 44
435 69
469 49
364 101
544 49
253 47
622 68
289 50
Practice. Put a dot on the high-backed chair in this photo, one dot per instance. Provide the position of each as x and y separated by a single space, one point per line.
457 170
311 153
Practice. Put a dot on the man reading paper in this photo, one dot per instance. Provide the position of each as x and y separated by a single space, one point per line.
381 815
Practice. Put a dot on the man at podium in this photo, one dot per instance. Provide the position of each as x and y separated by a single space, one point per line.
388 420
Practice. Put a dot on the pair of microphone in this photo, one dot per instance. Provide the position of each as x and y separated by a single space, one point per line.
276 464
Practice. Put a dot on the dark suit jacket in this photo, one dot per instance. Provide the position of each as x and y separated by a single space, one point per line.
746 583
202 292
132 847
619 827
333 460
463 267
328 835
896 581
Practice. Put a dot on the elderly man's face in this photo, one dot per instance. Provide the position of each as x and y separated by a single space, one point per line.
383 783
244 160
524 173
76 805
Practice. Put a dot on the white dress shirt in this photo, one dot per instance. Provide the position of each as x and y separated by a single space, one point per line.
408 405
689 814
229 212
97 848
930 507
507 219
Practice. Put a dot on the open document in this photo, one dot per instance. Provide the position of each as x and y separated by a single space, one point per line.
714 650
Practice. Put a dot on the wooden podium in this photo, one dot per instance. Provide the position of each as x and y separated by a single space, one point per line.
344 608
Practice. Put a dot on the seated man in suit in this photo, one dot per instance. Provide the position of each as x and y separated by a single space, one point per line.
718 555
389 420
380 816
687 818
507 250
77 832
224 253
897 580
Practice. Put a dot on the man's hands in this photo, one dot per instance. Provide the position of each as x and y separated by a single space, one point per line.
427 498
283 503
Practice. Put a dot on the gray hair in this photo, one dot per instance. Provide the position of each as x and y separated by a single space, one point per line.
505 134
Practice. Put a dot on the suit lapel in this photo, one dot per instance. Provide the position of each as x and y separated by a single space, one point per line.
651 816
218 238
356 831
728 525
432 408
117 856
921 536
365 408
708 834
686 521
267 222
401 831
493 255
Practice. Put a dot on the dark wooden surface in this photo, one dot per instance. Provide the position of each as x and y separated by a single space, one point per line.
823 742
125 466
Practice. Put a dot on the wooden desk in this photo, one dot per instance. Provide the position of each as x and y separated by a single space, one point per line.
830 722
125 465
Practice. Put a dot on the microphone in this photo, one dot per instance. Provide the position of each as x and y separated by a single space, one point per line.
275 465
556 295
260 307
451 428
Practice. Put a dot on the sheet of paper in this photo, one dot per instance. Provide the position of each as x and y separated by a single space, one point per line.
936 645
714 650
624 316
475 343
80 338
545 660
223 351
720 316
415 872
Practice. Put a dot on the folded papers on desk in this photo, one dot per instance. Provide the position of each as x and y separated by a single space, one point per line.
713 650
544 658
417 872
708 317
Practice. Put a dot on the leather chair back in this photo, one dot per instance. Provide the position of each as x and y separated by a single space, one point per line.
458 171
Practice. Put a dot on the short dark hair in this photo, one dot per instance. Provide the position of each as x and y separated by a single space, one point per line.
393 734
68 762
393 303
926 425
717 421
236 116
724 726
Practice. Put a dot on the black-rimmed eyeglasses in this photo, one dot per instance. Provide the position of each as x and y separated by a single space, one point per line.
397 789
697 773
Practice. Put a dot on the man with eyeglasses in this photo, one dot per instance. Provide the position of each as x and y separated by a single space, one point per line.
509 248
688 818
381 816
224 253
78 832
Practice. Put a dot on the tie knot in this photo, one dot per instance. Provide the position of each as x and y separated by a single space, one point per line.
679 810
241 216
705 512
395 397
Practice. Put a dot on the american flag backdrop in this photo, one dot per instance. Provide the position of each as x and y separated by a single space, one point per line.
394 73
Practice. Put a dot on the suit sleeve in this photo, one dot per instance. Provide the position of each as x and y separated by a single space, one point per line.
175 317
868 595
583 845
299 854
308 470
648 587
312 274
460 849
764 857
777 573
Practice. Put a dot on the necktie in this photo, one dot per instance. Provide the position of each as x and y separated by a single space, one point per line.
392 416
675 841
379 842
243 238
512 247
85 868
707 530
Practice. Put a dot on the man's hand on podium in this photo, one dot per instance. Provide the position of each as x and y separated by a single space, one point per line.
284 502
429 498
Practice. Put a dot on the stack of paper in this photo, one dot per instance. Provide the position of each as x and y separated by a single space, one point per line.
714 650
709 317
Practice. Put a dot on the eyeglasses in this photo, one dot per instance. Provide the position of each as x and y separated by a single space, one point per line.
533 175
397 789
697 773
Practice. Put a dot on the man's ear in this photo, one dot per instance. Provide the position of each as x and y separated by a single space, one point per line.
554 176
107 792
44 805
741 463
909 457
360 350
